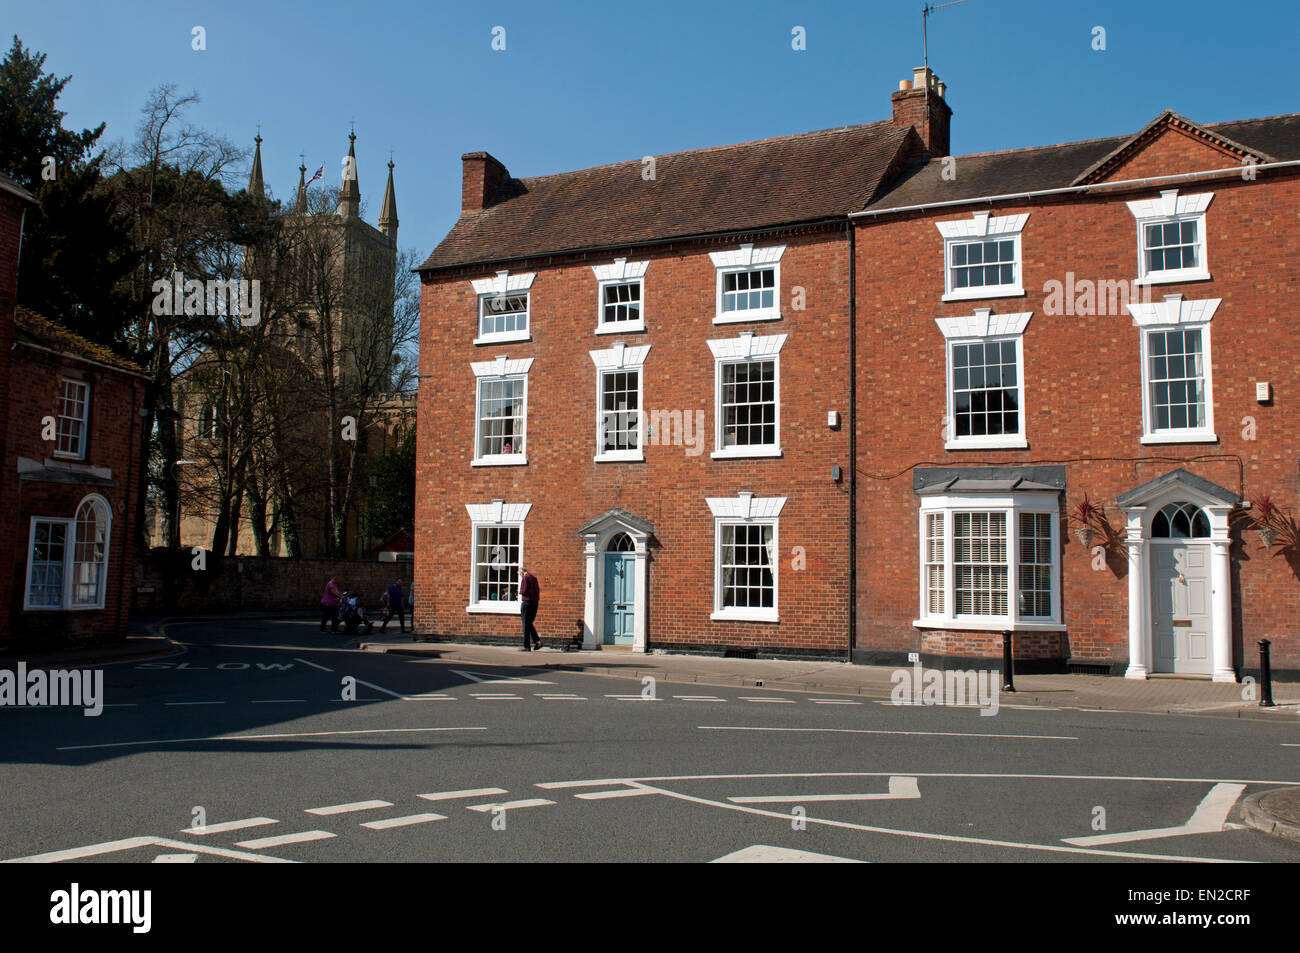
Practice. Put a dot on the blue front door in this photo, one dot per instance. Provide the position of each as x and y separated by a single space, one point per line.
620 605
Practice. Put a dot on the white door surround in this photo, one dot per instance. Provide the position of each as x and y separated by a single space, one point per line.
1142 507
595 539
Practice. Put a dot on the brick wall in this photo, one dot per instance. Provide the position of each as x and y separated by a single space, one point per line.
11 214
1083 396
252 583
567 489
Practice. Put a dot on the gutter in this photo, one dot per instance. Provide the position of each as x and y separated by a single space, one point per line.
81 357
1069 189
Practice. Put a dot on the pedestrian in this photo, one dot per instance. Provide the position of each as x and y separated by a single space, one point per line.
394 606
528 592
329 605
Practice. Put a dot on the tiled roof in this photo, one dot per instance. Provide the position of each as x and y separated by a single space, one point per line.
808 177
1049 167
37 329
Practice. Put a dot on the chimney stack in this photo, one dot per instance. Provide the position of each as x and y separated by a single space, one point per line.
920 103
480 177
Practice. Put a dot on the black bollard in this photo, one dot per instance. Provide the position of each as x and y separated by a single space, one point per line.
1008 665
1265 675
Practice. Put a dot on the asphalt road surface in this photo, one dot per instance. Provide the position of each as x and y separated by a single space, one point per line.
245 749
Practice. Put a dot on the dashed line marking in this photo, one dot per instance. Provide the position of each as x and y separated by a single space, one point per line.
496 698
879 731
313 664
469 792
509 805
177 704
348 808
834 701
699 698
299 838
779 701
634 698
225 826
278 701
406 821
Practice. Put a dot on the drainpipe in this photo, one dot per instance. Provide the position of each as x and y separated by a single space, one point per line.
852 421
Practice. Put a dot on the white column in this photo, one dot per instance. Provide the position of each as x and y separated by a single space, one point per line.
589 601
1221 596
639 594
1138 627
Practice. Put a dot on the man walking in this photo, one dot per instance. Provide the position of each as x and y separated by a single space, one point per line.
394 605
528 591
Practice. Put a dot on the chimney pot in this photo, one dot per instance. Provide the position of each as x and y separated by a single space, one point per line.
904 85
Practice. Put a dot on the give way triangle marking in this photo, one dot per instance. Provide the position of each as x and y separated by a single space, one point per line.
1206 819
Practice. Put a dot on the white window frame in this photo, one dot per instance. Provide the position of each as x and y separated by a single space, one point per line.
503 283
1172 207
983 327
69 558
748 259
84 420
1012 505
747 347
1171 314
620 359
503 368
982 226
621 272
746 509
495 515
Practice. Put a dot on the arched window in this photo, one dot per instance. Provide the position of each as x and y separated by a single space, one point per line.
622 543
208 422
1180 521
90 552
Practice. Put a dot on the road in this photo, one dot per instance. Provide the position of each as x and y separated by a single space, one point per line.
244 749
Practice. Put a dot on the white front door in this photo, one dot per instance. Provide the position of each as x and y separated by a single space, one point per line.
1181 607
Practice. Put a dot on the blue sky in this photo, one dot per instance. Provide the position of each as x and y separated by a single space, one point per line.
583 84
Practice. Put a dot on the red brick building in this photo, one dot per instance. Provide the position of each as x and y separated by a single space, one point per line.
772 397
71 455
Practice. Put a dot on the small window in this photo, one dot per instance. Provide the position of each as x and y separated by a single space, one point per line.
981 256
748 283
74 407
208 423
1180 521
989 265
47 559
748 290
621 304
503 315
1171 237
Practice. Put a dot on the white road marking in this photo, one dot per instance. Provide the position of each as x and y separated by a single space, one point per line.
699 698
176 858
900 788
1207 818
877 731
620 792
984 776
279 701
763 854
950 838
282 839
496 698
313 664
286 734
489 678
348 808
131 843
831 701
634 698
430 697
509 805
192 703
782 701
230 826
403 821
452 795
123 705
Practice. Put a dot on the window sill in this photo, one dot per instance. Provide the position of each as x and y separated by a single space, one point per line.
987 625
1173 277
622 327
745 615
502 460
740 317
63 608
733 453
1184 436
504 337
493 608
624 456
983 443
975 294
